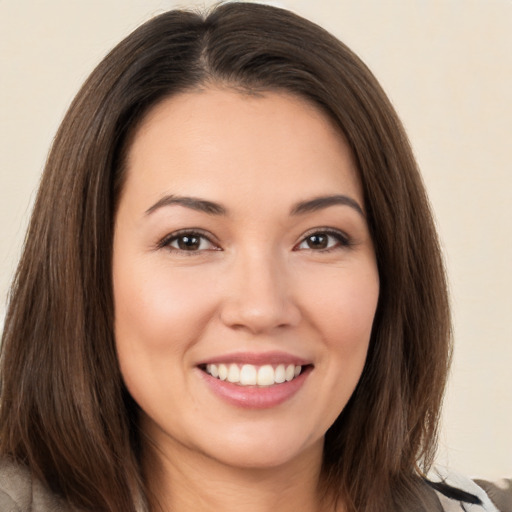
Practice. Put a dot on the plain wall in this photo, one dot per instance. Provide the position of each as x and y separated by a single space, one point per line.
447 66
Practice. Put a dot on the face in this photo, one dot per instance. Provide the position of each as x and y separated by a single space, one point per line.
245 281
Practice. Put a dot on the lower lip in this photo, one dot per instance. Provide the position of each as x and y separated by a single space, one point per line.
255 397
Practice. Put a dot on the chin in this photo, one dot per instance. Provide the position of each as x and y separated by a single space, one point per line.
259 454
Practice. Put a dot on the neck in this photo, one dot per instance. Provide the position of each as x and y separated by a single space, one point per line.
188 481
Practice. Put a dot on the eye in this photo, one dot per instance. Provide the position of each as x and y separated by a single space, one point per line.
323 240
188 241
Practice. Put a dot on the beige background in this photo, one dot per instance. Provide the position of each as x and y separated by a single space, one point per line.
447 66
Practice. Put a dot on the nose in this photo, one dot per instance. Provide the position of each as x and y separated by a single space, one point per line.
258 295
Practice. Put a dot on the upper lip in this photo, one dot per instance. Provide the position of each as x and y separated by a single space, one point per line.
256 359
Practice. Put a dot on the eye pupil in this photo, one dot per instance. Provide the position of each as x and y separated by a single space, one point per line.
188 243
317 241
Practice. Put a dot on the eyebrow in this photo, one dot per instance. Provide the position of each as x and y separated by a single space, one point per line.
319 203
194 203
211 208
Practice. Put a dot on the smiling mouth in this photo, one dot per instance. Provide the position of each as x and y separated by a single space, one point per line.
254 375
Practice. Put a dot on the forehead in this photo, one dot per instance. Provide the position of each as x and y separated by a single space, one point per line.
214 141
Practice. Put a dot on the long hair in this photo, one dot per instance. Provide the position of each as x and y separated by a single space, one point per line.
64 411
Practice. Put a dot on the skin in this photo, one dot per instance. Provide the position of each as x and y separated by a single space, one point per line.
255 282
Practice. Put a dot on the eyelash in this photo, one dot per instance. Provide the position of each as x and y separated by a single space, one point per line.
342 240
190 233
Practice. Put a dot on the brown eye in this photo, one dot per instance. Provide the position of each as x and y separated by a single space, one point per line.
317 241
324 241
188 242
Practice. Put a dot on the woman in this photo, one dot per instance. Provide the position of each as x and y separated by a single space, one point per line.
231 293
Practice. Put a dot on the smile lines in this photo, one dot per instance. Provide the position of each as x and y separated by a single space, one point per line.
251 375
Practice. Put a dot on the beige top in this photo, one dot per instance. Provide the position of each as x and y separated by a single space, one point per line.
19 492
495 496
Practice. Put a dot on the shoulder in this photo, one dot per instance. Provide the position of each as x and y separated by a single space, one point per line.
19 492
499 492
486 496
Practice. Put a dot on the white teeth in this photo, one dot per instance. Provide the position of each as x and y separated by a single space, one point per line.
266 375
290 372
250 375
280 375
223 372
212 370
233 373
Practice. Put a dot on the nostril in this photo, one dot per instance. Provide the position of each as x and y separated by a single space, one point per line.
264 317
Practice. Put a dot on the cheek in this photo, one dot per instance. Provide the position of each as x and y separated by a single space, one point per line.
342 307
159 315
157 312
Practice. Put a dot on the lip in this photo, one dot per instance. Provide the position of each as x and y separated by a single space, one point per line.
256 359
255 397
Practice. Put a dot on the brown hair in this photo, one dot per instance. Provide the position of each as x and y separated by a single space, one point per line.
64 410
